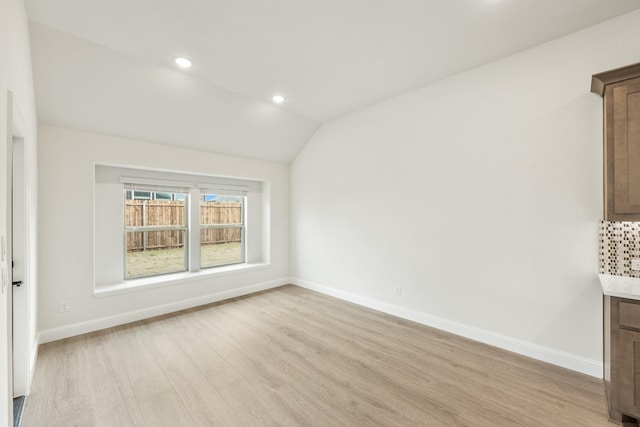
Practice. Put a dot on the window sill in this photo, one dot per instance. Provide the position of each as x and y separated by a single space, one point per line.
145 283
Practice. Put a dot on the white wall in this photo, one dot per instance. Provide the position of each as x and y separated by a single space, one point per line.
66 172
15 75
478 195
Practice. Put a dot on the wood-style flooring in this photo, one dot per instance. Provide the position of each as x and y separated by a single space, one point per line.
292 357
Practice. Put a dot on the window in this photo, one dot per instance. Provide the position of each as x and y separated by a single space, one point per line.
157 230
221 230
156 226
141 195
155 234
152 195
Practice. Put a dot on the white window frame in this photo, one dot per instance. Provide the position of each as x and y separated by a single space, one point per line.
241 226
192 227
145 229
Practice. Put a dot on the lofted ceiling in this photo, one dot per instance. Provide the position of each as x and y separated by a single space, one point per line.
107 66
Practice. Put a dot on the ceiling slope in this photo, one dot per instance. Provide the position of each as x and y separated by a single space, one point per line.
107 66
327 57
83 85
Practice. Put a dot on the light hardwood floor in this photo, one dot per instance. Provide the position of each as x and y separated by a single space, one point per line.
291 357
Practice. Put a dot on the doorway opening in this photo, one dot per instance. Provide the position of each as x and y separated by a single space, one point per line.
19 279
20 249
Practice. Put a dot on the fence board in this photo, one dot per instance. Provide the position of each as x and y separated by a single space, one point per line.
140 213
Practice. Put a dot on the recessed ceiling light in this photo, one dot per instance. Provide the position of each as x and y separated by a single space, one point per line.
278 99
183 62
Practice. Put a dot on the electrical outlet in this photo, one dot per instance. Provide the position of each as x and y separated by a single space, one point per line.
63 306
398 290
635 264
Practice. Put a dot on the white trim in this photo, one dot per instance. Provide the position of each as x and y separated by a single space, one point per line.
152 282
34 358
21 350
154 183
223 189
525 348
80 328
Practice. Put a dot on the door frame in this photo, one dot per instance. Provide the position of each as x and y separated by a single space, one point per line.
8 276
20 354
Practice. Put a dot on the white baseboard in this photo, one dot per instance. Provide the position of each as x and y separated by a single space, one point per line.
92 325
546 354
535 351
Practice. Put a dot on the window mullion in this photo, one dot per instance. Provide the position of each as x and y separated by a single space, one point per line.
194 229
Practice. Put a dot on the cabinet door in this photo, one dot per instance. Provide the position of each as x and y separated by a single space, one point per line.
629 372
623 138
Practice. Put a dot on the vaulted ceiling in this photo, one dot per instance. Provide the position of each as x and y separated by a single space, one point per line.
107 66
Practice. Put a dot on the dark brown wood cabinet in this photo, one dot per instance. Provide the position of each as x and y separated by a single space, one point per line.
620 89
629 359
622 358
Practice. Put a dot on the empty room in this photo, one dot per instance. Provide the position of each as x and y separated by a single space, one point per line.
319 213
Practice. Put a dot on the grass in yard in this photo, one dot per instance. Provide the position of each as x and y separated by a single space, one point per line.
161 261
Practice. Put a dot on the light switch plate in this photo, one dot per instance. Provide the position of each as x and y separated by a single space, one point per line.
635 264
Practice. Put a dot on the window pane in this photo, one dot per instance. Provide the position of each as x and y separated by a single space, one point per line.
141 195
215 209
155 252
150 213
220 246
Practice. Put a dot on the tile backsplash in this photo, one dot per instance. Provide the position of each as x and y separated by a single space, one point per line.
619 244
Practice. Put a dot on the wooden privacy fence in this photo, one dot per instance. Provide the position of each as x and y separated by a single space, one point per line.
161 213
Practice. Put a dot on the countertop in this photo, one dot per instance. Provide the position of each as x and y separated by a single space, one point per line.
620 286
